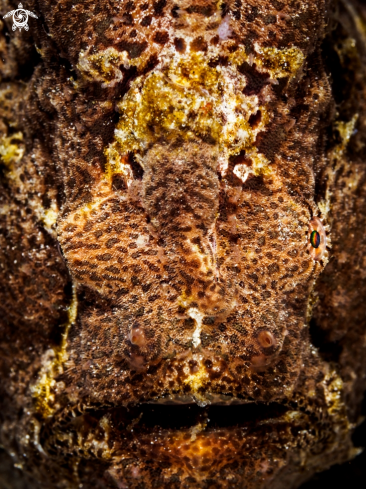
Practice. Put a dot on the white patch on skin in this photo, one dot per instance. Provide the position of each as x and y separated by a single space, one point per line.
197 316
142 240
242 172
11 153
224 31
222 164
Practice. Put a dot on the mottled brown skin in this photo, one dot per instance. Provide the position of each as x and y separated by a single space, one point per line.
147 257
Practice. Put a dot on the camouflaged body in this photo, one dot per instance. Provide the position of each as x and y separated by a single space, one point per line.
161 162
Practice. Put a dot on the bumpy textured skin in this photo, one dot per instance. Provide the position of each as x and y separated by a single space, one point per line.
164 322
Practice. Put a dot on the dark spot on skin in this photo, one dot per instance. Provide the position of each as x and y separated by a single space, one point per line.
104 257
130 6
127 19
159 7
209 320
180 45
237 14
214 41
268 142
252 13
146 21
205 10
278 5
174 12
134 49
199 44
256 184
273 268
135 280
161 37
270 19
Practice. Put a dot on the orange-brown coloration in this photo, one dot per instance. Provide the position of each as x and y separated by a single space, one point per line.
167 321
137 336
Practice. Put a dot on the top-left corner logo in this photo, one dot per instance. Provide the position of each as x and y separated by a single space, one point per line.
20 17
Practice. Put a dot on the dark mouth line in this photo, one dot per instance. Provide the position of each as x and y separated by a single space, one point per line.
178 414
177 417
202 400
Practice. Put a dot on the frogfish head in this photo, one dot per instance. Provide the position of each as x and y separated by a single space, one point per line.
187 360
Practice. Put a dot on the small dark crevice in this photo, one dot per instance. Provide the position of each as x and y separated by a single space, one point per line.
6 33
341 73
137 169
359 435
255 79
27 68
329 350
128 76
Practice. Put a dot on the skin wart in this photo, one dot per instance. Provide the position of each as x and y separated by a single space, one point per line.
182 209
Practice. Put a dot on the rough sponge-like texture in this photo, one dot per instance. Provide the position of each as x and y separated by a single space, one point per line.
182 246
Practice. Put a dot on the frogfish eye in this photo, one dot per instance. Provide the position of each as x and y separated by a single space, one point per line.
315 239
318 239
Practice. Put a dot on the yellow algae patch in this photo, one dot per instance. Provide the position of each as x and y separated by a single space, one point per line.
345 130
187 100
193 72
279 63
53 360
103 66
197 380
49 217
333 393
165 109
11 152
